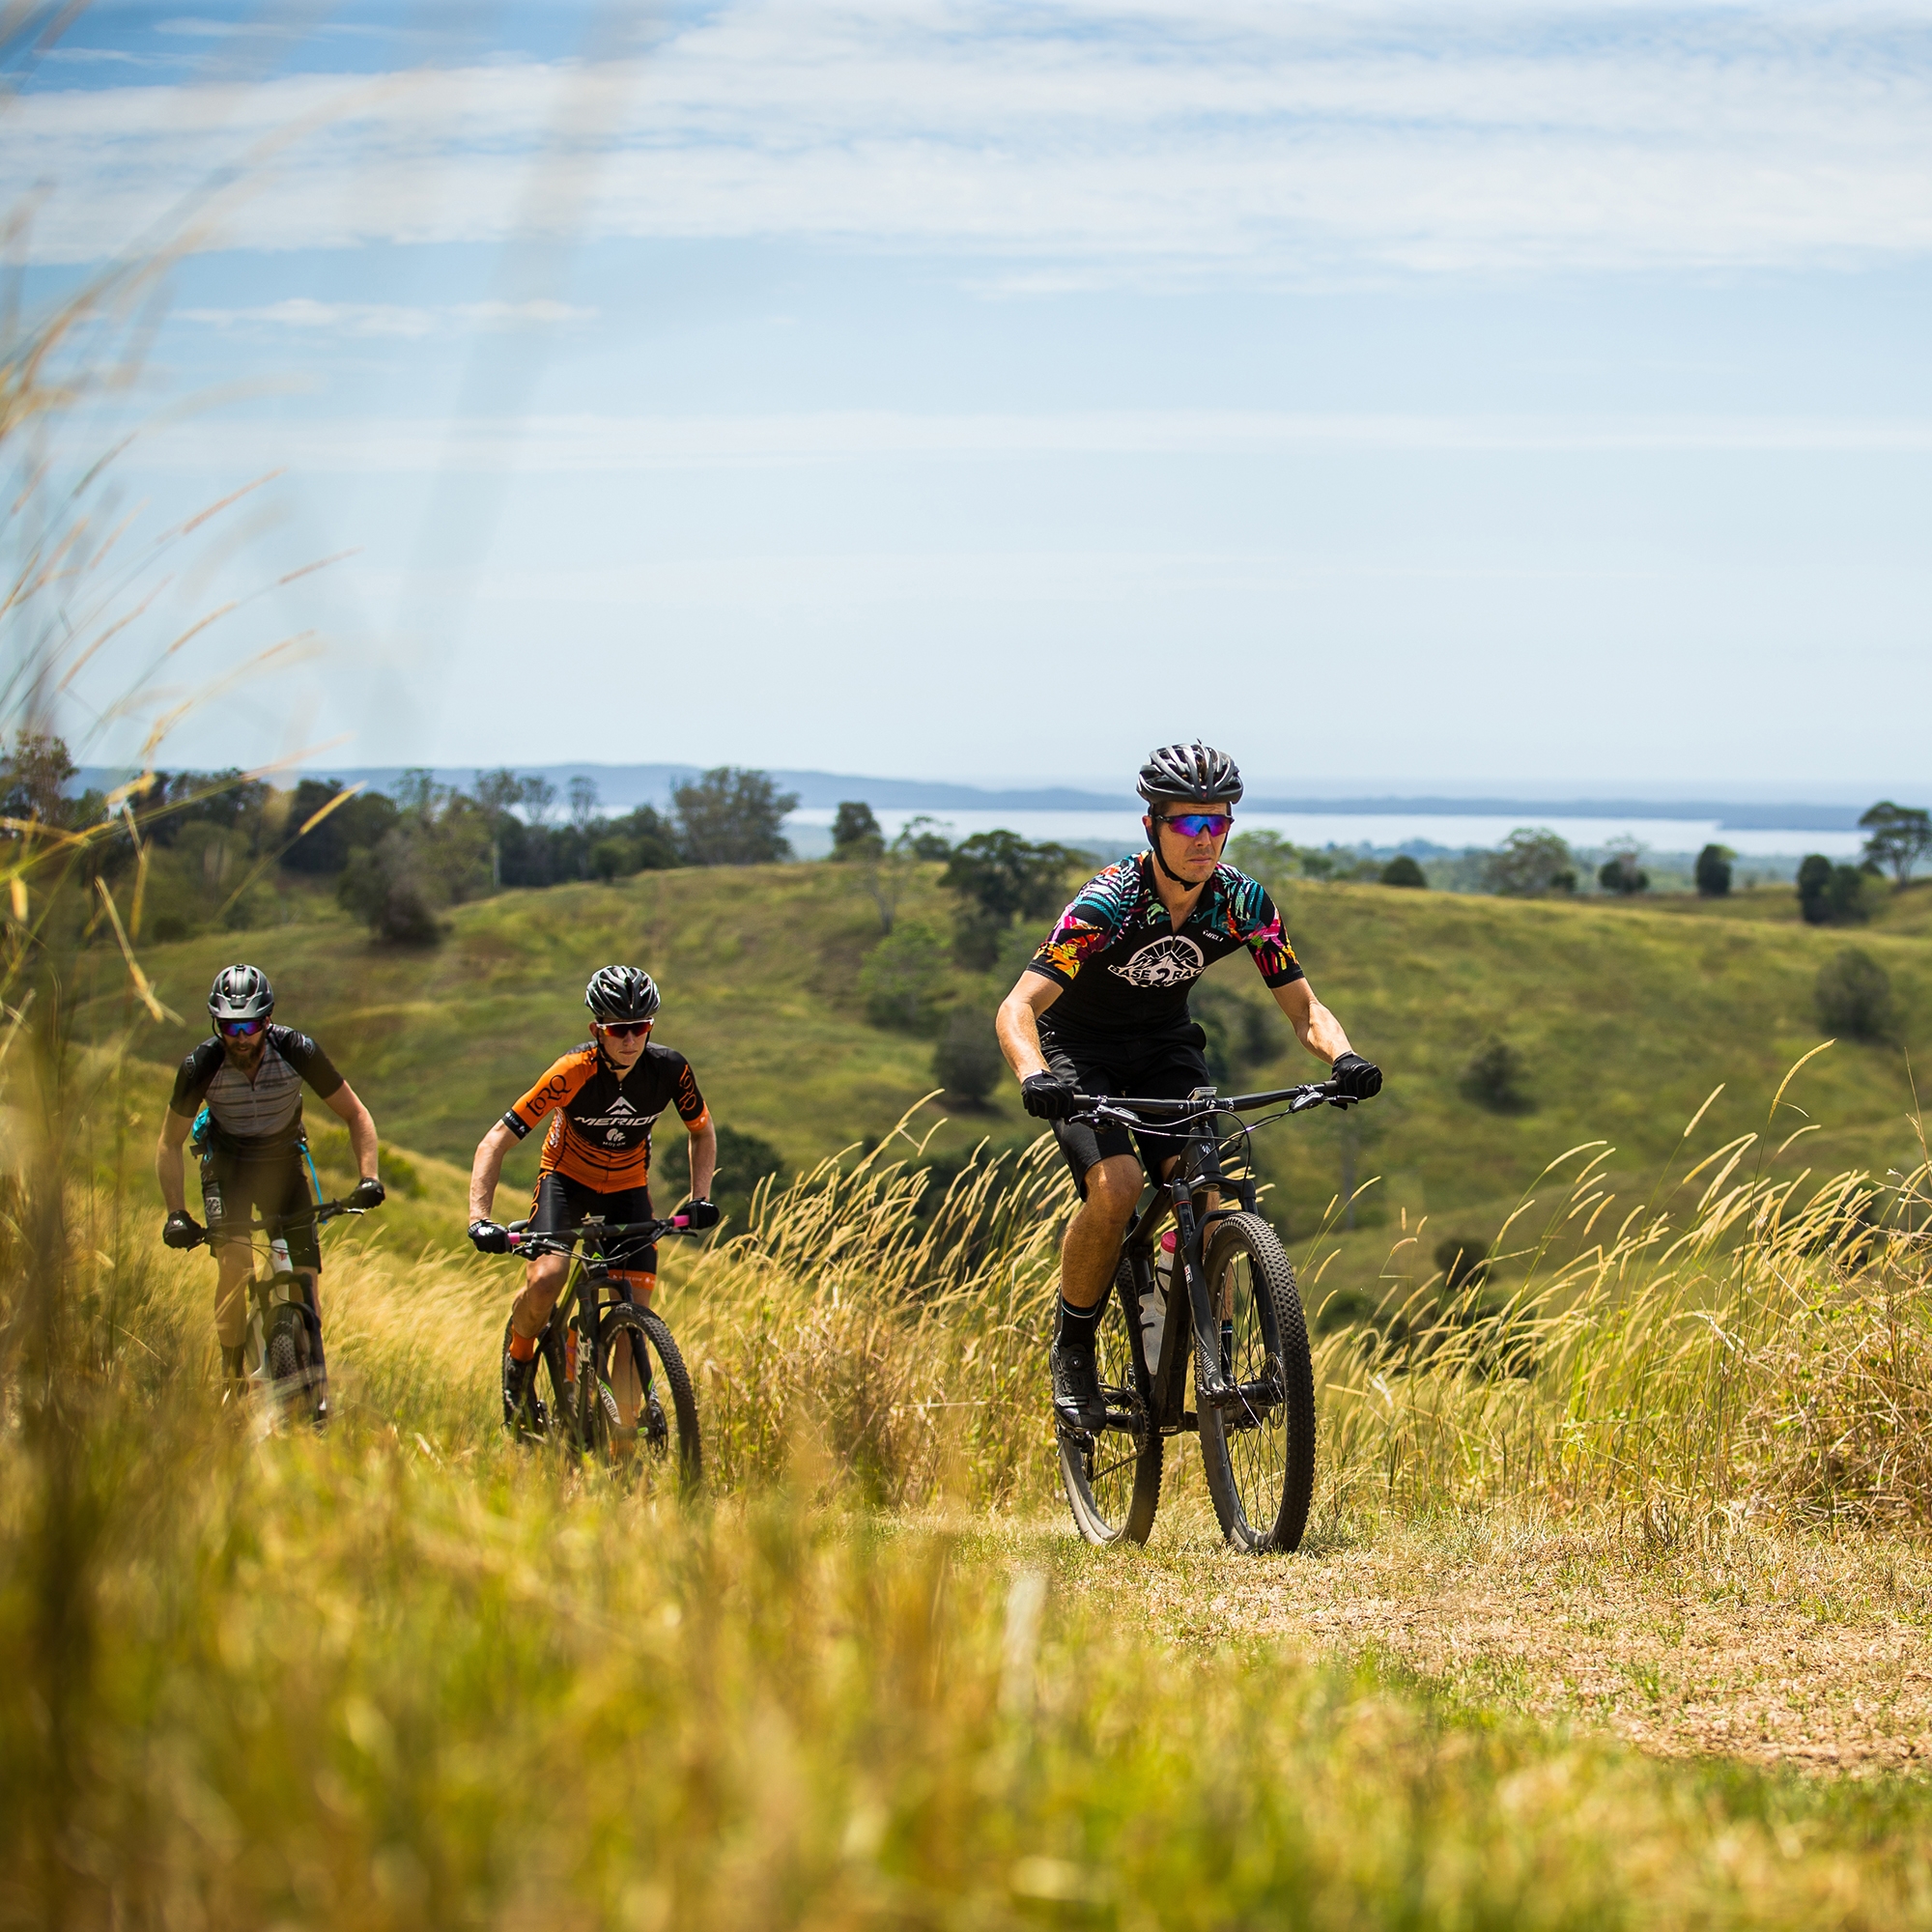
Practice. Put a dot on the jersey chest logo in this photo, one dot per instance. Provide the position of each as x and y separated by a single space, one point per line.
1167 963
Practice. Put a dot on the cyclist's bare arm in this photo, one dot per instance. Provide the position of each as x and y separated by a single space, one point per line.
492 1151
168 1163
354 1115
703 1158
1314 1026
1018 1022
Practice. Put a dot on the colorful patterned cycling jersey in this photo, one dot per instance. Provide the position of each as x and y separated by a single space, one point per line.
602 1132
1124 968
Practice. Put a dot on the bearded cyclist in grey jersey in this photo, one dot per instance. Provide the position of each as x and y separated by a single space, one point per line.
249 1075
1102 1008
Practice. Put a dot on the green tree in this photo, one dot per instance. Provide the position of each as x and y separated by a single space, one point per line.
1714 871
1901 834
360 820
856 832
733 818
1531 862
1403 871
743 1159
1001 878
1830 895
1622 872
1854 997
903 976
968 1062
437 854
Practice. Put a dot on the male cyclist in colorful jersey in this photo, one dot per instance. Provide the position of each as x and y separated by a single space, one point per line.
249 1075
603 1099
1102 1008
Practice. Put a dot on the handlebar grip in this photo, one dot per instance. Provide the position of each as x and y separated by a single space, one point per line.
680 1220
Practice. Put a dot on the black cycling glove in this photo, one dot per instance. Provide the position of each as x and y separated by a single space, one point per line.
368 1193
1049 1098
488 1239
1358 1079
699 1216
181 1231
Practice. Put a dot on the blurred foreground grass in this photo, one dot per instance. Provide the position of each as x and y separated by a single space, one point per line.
410 1675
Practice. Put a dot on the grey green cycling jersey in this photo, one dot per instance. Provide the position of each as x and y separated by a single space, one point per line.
264 1114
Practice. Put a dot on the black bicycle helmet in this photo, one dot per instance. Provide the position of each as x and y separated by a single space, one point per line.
621 993
1193 774
240 993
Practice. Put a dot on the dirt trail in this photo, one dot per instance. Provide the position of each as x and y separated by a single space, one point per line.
1747 1643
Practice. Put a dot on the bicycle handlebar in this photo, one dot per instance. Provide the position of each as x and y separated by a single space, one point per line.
562 1241
1124 1109
321 1211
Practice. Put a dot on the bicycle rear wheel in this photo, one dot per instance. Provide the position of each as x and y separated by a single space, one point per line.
1259 1449
1112 1478
636 1337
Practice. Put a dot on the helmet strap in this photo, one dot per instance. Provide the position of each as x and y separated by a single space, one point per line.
1153 842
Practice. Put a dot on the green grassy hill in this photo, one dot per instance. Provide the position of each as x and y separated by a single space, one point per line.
1626 1016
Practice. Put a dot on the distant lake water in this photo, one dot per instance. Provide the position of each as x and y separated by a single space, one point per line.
1121 831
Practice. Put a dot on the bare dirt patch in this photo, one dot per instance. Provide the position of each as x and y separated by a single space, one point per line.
1728 1639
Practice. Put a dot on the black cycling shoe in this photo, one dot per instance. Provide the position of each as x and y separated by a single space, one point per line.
1078 1401
524 1411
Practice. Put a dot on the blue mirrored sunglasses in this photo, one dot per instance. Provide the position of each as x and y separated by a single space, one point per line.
240 1028
1192 824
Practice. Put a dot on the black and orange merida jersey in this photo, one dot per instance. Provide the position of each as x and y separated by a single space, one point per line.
601 1134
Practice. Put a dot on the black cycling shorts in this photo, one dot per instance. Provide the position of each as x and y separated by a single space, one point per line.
1167 1066
561 1204
235 1183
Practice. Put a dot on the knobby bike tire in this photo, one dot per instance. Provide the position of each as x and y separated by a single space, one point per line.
1258 1452
642 1333
286 1354
1112 1478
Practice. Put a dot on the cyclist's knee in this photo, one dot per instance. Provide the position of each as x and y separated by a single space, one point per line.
1114 1187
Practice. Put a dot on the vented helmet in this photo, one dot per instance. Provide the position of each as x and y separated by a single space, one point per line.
1193 774
240 993
621 993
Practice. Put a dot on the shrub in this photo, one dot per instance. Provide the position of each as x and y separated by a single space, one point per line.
1621 872
1001 878
967 1061
1714 871
901 978
359 821
1830 895
1530 863
1853 996
1464 1260
1497 1078
743 1159
1403 871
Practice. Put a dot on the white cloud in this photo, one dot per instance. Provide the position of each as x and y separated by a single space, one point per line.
573 444
1078 141
389 318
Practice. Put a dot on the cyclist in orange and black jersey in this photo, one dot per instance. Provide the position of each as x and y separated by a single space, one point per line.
603 1099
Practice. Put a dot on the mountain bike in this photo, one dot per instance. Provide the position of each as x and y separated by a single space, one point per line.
586 1411
282 1349
1252 1379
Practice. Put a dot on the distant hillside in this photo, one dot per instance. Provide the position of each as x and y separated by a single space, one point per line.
1624 1017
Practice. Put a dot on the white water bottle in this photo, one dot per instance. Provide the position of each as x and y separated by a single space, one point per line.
1153 1303
278 1256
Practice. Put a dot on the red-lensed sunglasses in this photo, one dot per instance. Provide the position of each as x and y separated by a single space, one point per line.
1192 824
240 1028
623 1029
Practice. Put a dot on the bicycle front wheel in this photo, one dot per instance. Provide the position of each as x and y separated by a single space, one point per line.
641 1400
1112 1478
295 1377
1258 1448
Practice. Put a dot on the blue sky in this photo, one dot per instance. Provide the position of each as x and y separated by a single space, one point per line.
1523 396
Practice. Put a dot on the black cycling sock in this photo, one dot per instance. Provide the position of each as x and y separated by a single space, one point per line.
1079 1325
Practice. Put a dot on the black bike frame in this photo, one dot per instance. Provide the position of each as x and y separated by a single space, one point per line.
592 1270
1198 1170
